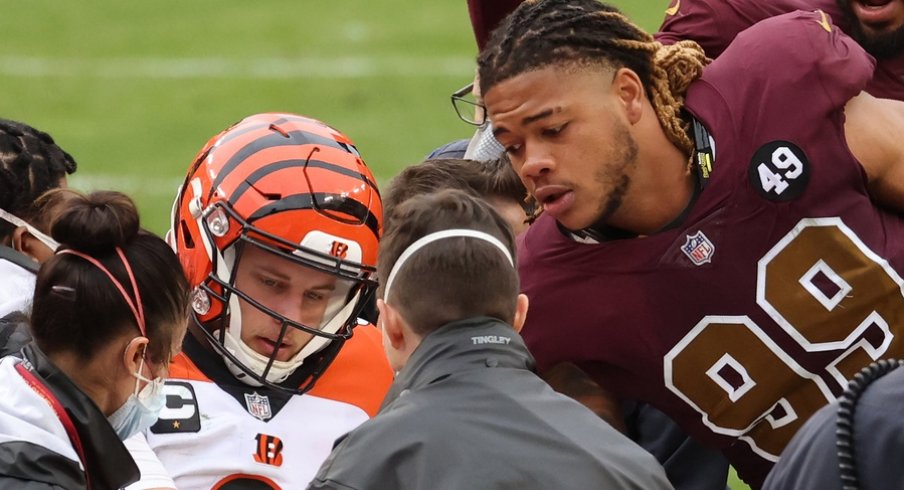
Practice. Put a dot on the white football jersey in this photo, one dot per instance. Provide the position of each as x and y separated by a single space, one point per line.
235 436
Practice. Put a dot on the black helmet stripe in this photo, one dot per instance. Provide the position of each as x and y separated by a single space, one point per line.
324 202
270 141
276 166
235 133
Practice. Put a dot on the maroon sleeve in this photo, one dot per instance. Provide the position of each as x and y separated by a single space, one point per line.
715 23
486 15
796 64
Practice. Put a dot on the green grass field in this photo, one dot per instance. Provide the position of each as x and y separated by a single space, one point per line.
134 89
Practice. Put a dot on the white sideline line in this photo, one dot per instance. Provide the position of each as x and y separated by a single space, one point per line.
256 68
132 184
145 184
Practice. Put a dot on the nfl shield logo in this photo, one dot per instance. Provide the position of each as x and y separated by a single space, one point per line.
258 405
698 248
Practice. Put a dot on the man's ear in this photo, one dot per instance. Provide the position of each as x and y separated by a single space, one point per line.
520 312
629 91
392 324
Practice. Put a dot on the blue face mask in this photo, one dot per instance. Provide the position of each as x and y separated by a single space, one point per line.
141 409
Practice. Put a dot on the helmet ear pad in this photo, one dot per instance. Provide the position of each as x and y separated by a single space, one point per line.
291 186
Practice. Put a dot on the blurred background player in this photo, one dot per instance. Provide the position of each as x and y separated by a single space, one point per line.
108 317
277 227
30 164
878 25
466 410
704 255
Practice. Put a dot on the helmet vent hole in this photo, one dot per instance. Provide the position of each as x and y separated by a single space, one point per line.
279 130
186 235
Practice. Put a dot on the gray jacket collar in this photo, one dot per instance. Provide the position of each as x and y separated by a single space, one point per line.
479 342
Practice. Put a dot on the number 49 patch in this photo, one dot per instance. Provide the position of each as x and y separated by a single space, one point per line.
779 171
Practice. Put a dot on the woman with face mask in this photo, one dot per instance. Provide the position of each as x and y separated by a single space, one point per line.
108 315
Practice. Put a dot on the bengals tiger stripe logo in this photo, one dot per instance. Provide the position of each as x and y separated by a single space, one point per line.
339 249
269 450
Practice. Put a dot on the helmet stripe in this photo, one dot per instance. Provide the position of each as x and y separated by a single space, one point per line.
323 202
277 166
271 140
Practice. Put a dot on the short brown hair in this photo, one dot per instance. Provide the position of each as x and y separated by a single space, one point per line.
492 179
454 278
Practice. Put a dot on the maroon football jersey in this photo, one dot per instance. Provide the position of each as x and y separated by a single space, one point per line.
714 23
779 285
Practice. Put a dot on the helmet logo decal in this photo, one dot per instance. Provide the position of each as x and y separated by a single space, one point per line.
339 249
335 246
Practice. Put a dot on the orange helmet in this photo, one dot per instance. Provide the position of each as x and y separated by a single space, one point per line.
294 188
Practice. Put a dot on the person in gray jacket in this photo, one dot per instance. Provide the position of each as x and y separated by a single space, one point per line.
466 409
854 443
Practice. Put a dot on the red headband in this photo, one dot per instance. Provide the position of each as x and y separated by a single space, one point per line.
136 307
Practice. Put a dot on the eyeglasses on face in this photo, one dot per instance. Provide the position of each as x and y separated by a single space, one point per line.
467 107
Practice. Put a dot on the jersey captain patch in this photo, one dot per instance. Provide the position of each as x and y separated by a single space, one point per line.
181 411
779 171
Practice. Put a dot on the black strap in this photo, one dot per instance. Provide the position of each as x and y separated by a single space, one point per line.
16 257
704 156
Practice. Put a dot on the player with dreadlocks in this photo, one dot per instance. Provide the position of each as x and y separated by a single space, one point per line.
30 163
721 240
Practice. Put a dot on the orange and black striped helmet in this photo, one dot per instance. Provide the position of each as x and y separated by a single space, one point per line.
289 187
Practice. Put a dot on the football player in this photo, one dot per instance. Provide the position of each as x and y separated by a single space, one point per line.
722 241
878 25
277 226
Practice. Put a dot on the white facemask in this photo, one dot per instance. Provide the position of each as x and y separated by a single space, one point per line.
141 409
